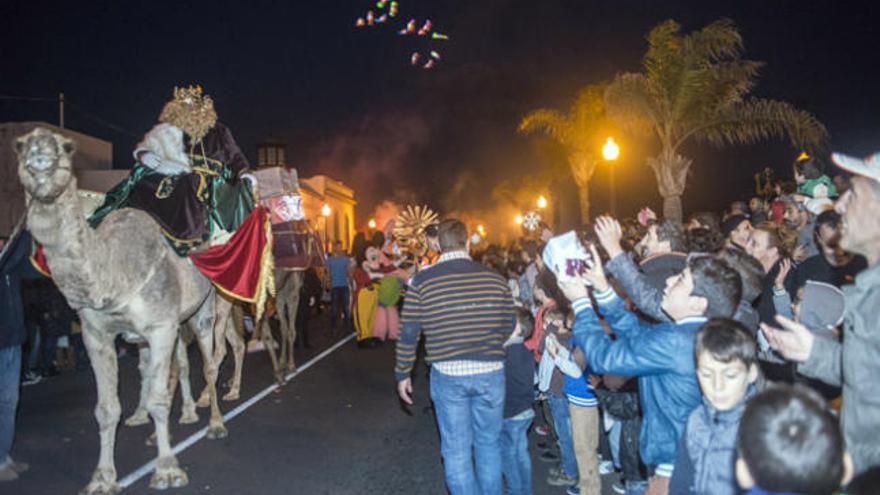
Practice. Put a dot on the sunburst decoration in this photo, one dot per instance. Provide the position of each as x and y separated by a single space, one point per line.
531 221
409 228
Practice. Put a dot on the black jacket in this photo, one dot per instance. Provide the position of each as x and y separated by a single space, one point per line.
14 266
519 379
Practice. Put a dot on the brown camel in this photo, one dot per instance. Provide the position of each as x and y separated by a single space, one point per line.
121 278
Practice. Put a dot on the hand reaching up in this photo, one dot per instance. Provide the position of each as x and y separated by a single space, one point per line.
794 341
609 233
784 268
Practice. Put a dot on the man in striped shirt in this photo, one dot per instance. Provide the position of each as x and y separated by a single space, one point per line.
466 313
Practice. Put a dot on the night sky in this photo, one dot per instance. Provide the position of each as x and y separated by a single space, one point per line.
347 102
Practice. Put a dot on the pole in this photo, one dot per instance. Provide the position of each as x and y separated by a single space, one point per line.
613 190
61 110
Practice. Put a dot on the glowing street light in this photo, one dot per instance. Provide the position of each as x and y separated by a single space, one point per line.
518 219
372 223
481 230
610 151
325 210
542 202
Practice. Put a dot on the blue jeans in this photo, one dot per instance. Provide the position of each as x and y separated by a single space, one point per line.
339 302
516 463
635 487
562 425
470 412
10 369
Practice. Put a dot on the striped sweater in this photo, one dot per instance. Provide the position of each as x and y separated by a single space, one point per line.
464 309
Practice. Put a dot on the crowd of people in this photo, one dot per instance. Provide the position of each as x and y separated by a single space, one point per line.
735 352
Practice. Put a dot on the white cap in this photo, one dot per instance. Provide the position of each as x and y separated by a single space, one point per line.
869 167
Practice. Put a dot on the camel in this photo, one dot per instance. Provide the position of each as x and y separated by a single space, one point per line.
121 278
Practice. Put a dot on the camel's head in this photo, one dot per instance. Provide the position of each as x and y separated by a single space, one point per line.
44 163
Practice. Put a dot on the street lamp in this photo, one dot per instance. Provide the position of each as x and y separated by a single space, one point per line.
372 224
542 202
325 212
481 230
610 152
518 219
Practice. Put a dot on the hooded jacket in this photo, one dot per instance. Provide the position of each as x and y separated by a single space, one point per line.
707 451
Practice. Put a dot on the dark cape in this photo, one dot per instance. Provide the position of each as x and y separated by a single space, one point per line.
189 206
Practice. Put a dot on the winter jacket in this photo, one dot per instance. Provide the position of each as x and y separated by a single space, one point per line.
14 267
707 451
855 363
661 355
519 378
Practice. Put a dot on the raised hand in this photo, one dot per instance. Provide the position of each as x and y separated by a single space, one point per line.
784 268
609 233
794 341
595 273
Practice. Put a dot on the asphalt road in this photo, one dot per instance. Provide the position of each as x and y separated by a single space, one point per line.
336 428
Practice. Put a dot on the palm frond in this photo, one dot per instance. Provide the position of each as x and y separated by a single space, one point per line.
719 40
551 122
633 102
757 119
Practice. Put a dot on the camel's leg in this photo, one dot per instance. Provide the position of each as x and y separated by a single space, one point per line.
223 309
162 338
236 341
188 413
291 303
102 354
140 415
269 344
202 325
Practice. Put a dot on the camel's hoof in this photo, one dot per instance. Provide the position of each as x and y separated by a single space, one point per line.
291 368
216 432
189 415
231 395
204 400
102 484
140 417
168 476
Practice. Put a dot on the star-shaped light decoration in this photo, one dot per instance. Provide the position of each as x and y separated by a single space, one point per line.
531 221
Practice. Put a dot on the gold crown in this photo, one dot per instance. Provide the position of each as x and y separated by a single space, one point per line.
803 156
191 110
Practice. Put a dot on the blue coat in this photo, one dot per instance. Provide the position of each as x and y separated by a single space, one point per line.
661 355
14 266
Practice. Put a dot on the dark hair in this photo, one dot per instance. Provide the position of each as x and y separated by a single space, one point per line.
751 273
829 218
708 219
531 248
810 168
703 240
670 230
431 230
526 322
546 281
726 340
791 442
516 266
452 235
739 205
716 281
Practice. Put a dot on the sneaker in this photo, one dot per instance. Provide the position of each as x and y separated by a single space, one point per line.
20 467
606 467
548 457
31 378
562 479
618 487
542 430
573 490
7 473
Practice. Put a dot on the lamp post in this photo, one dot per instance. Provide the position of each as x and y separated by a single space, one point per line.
372 224
610 152
518 219
541 203
325 212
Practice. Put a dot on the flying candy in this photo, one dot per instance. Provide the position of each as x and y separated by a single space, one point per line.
392 10
435 55
414 58
360 22
382 18
371 17
438 36
381 4
429 64
426 28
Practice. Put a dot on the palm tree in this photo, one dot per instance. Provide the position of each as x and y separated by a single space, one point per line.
580 132
696 86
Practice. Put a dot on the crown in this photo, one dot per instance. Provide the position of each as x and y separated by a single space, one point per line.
191 110
188 94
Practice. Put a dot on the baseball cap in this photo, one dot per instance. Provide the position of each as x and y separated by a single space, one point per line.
868 167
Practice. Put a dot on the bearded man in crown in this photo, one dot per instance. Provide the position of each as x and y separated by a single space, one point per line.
187 174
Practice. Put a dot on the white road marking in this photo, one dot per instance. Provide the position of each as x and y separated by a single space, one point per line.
149 467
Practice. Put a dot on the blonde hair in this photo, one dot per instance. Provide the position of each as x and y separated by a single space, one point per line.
783 238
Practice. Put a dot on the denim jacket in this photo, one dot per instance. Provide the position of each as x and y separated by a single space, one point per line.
661 355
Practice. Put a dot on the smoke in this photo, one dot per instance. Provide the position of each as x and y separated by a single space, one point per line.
374 157
384 212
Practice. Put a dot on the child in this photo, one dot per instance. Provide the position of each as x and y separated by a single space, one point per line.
789 442
660 355
810 179
551 381
519 371
726 359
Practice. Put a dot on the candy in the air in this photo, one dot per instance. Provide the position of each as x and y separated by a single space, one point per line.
360 22
392 10
370 17
381 4
382 18
439 36
414 58
429 64
410 27
435 55
426 27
